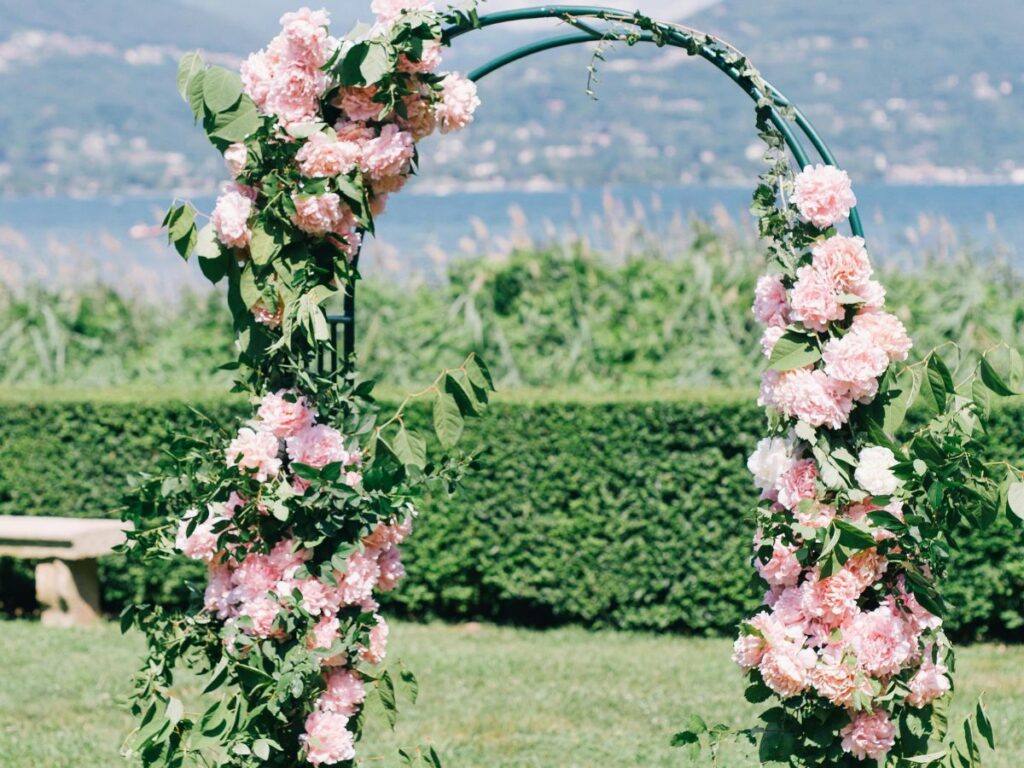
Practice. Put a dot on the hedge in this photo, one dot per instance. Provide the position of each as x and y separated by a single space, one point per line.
627 513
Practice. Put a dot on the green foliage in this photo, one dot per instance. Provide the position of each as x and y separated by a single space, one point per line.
629 512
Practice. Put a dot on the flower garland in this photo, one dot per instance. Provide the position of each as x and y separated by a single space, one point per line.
298 515
853 525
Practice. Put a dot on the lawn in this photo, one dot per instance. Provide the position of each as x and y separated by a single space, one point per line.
490 697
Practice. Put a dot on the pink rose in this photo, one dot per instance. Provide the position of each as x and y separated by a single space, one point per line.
257 76
886 331
869 736
321 214
420 119
322 156
856 362
929 683
377 651
235 158
389 154
295 93
328 740
318 446
430 59
255 451
832 599
344 694
808 395
883 643
770 338
786 669
201 544
391 569
362 572
771 305
843 260
814 300
306 37
262 612
823 195
230 219
358 104
285 413
783 569
798 483
836 680
459 101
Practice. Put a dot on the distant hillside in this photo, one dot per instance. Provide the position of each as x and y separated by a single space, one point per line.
912 91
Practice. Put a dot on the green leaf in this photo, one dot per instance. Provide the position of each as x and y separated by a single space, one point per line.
984 724
189 67
463 394
478 373
410 448
368 63
793 350
175 710
251 293
432 758
263 247
235 124
934 391
448 422
214 259
1015 498
221 89
994 381
181 229
901 397
261 749
386 693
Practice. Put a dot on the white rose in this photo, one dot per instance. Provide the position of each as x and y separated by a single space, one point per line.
874 471
770 461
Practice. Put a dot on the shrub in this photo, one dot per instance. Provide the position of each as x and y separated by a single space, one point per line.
569 519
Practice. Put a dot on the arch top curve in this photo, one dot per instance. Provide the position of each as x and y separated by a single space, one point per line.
778 110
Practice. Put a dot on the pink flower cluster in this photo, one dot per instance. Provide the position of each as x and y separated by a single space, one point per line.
252 586
834 298
849 636
287 81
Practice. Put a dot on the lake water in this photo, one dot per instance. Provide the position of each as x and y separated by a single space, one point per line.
73 240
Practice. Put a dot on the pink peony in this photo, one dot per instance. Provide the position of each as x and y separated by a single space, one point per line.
770 338
391 569
389 11
808 395
377 651
235 158
285 413
837 679
230 219
799 482
843 260
786 669
871 294
832 599
748 650
929 683
362 571
886 331
358 104
325 632
257 76
771 305
321 214
857 362
295 92
255 451
823 195
323 156
389 154
783 569
318 446
328 740
262 611
883 642
305 34
814 300
344 694
869 736
459 101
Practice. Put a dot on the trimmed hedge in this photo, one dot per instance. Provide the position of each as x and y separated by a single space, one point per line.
624 513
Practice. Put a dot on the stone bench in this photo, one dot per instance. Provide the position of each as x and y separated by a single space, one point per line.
67 583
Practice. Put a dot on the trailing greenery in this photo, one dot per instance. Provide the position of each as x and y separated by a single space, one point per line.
568 518
673 310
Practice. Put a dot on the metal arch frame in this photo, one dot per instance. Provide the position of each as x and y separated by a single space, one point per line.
671 34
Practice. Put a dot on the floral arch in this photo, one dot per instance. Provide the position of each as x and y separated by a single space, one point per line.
299 512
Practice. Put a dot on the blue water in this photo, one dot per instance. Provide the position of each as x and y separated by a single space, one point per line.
71 239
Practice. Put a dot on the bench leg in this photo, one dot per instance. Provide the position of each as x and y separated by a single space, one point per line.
69 592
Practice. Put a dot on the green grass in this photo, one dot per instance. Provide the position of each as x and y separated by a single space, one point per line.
493 697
